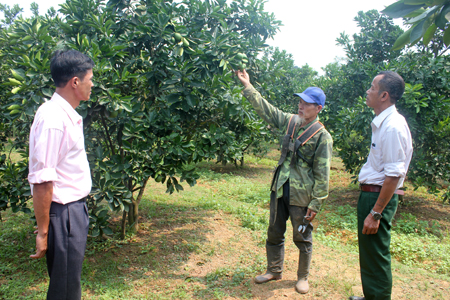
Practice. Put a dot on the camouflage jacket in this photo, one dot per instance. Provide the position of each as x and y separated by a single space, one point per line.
308 186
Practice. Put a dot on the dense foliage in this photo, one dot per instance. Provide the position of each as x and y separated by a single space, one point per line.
425 104
164 96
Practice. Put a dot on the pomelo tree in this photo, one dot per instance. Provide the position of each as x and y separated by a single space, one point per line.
164 95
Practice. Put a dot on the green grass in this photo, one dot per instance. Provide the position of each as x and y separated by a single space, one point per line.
13 154
208 242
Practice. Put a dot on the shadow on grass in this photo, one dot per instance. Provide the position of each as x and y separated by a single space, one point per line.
167 237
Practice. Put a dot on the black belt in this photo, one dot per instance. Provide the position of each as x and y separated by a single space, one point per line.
376 189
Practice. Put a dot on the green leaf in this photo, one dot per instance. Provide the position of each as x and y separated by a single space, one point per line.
173 98
402 40
107 230
14 81
99 151
441 20
179 187
127 107
172 81
95 232
447 37
47 92
85 42
18 74
425 15
399 10
429 34
417 32
26 210
414 2
15 90
189 101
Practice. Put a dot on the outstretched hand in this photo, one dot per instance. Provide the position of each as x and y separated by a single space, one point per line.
243 77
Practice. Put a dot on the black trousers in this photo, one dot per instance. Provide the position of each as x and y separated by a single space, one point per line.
67 236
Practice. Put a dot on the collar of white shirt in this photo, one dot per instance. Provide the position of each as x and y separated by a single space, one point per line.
72 113
378 120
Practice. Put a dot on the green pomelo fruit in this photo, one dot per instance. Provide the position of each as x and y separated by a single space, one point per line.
177 37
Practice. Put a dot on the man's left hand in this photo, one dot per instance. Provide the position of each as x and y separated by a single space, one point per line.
370 225
41 245
310 215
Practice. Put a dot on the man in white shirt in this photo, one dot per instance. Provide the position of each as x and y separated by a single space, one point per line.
59 175
380 179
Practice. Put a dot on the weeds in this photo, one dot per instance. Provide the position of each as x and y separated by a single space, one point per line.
428 252
409 224
340 217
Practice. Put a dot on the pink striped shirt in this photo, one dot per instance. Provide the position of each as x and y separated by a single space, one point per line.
57 151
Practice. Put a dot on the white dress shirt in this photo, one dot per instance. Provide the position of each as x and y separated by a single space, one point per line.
390 151
57 151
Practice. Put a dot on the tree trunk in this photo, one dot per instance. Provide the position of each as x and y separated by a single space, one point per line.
131 216
124 223
136 204
135 216
133 212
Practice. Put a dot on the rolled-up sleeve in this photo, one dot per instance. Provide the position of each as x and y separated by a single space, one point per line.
394 153
44 155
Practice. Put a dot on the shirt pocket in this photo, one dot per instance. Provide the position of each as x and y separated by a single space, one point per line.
376 157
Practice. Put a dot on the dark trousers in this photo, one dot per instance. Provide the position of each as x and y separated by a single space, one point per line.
374 253
275 234
67 236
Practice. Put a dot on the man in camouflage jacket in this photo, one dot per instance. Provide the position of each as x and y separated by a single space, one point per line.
298 189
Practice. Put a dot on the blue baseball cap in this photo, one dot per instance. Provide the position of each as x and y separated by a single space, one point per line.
313 95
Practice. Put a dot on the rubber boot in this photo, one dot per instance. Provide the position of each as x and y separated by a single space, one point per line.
304 263
275 258
267 277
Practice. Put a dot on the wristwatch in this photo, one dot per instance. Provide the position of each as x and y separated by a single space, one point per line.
376 215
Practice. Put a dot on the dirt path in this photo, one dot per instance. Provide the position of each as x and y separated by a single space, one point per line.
334 274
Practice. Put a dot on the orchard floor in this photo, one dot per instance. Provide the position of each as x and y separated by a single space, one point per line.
207 242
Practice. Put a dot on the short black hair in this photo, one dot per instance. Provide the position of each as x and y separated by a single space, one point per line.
393 84
66 64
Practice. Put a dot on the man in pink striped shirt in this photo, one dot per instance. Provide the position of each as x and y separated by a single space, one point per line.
59 175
